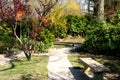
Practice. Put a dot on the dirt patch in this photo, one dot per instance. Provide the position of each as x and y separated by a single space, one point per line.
2 56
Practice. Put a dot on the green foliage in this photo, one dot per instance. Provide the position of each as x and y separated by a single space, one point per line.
46 40
58 30
6 38
77 24
102 36
117 18
25 28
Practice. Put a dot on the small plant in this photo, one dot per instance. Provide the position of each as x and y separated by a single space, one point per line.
45 40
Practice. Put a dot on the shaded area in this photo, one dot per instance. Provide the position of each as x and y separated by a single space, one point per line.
78 73
27 77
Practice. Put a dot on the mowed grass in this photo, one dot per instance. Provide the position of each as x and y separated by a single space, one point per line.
109 61
68 42
36 69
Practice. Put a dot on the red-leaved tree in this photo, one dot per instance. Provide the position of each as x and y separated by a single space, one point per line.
14 11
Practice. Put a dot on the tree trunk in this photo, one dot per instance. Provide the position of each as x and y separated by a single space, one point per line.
88 6
101 10
27 53
95 8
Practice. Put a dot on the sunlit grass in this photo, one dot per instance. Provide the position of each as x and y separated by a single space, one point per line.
75 40
68 42
36 69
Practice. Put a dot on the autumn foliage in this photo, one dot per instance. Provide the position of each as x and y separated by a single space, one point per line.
12 12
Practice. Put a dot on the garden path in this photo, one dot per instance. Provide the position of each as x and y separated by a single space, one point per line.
59 67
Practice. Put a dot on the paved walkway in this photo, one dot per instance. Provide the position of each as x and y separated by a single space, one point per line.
60 68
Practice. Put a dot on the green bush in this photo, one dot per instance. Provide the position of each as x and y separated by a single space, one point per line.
102 37
45 41
6 38
77 24
58 30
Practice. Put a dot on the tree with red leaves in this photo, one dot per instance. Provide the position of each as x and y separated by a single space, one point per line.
14 11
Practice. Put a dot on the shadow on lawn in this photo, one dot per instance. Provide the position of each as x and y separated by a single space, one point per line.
27 77
11 67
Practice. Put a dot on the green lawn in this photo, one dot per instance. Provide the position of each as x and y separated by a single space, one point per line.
36 69
67 42
109 61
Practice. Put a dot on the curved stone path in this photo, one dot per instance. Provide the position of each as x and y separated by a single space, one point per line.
59 67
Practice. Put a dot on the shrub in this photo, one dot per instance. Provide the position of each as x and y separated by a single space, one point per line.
77 24
58 30
45 41
58 26
102 37
6 38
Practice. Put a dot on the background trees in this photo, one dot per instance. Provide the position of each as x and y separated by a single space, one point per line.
107 10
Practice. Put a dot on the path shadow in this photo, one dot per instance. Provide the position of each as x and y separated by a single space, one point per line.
78 73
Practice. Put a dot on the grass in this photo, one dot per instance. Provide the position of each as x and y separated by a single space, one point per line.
36 69
74 40
109 61
69 41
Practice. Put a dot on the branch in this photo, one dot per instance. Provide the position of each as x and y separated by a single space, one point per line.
49 7
14 29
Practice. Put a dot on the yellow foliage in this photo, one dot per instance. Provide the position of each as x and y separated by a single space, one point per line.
56 16
72 7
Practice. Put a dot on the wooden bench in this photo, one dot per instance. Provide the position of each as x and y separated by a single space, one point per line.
97 68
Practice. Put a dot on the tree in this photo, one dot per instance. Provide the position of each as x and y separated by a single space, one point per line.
14 11
101 10
111 7
107 10
72 7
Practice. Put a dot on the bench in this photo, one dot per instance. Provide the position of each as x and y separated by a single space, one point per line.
97 68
